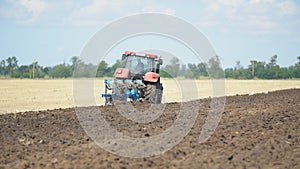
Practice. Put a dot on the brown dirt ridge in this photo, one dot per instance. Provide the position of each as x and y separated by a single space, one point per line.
258 131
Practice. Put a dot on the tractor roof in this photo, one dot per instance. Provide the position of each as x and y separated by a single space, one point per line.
140 54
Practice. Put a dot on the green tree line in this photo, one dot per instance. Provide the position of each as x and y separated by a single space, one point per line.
255 69
263 70
9 68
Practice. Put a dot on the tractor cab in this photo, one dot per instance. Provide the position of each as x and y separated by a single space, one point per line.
137 64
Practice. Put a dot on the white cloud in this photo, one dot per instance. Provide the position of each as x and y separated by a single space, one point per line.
35 7
261 1
255 16
168 11
100 6
100 11
218 5
287 7
24 10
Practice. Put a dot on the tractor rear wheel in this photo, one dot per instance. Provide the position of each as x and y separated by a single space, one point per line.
152 94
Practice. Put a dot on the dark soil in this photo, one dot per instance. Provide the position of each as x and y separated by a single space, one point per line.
259 131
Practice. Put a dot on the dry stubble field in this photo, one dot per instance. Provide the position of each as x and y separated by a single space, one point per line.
19 95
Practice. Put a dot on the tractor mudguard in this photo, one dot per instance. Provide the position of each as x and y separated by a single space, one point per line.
122 73
151 77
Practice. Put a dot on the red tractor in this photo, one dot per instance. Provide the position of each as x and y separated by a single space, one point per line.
137 79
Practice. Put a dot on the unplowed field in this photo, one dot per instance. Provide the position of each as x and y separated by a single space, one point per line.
257 131
20 95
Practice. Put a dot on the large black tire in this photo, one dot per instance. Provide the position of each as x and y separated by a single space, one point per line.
159 93
153 93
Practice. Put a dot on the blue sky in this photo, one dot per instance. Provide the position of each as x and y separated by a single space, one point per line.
51 32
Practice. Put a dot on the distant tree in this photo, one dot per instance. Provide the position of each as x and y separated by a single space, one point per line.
46 71
238 74
273 61
12 65
74 60
168 71
202 67
193 71
39 71
228 72
273 68
32 70
196 70
91 70
2 68
259 69
60 71
283 73
171 69
298 64
9 65
183 70
214 68
174 67
295 70
238 65
84 70
25 71
245 73
113 68
268 74
164 73
102 69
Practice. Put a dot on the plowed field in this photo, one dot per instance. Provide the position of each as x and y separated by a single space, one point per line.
258 131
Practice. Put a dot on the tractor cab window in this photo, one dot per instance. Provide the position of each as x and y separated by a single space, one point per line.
139 65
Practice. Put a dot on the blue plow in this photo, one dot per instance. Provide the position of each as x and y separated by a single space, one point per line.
120 90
